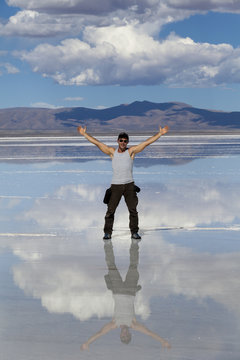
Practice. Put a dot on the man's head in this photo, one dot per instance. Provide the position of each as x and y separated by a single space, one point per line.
125 334
123 141
123 135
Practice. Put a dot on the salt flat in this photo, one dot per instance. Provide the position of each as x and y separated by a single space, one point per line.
53 293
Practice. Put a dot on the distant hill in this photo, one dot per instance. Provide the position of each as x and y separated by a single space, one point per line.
139 116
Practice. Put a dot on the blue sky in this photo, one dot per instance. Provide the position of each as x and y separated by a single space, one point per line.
101 54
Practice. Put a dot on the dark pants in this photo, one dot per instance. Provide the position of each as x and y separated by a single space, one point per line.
131 199
114 279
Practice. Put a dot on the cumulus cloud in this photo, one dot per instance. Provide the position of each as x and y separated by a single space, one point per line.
84 6
34 22
128 56
8 68
67 18
31 23
117 43
108 6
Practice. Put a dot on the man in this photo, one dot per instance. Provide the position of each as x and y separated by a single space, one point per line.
122 181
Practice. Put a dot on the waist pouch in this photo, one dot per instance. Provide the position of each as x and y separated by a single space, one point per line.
107 196
109 192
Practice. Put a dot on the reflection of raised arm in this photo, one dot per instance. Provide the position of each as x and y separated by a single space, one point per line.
105 329
140 147
141 328
103 147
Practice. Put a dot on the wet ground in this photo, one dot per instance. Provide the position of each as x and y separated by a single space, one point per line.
60 283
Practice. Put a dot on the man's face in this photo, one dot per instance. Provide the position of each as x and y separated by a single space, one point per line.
122 143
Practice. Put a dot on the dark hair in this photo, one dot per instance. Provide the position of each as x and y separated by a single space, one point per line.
127 337
123 135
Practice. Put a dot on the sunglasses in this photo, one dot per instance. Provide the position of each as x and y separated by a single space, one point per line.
122 140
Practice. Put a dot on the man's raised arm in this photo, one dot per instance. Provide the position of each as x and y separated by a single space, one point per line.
104 330
140 147
103 147
143 329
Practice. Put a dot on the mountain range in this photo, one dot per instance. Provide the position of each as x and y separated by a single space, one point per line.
139 116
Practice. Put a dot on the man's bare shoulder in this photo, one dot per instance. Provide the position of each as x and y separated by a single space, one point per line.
111 150
131 150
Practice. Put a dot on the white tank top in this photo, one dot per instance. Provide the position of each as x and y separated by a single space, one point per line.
123 309
122 165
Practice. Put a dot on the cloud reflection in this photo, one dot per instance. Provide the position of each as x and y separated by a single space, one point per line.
65 284
66 271
72 282
124 293
188 204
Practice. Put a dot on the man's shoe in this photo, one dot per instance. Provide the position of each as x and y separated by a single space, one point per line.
107 236
136 236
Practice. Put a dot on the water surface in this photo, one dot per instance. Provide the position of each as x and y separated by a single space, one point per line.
53 293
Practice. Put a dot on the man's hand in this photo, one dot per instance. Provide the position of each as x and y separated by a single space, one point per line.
165 344
164 130
82 130
85 346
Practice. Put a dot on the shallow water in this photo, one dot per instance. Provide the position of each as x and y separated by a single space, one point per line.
53 294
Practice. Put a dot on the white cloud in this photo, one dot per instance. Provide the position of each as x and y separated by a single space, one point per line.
34 24
84 6
127 56
76 98
11 69
108 6
8 68
44 105
55 18
122 48
100 107
213 5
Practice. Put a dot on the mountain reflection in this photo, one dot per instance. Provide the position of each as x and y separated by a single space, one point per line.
124 293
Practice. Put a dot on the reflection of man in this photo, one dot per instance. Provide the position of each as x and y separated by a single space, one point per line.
124 293
122 181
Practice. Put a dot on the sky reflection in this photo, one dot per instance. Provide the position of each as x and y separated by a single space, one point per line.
186 297
54 261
